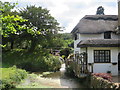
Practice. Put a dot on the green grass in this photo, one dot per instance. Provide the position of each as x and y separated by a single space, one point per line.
12 76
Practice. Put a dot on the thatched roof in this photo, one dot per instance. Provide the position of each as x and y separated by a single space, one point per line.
99 43
91 24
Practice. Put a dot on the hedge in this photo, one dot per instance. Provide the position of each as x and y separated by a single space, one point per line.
11 77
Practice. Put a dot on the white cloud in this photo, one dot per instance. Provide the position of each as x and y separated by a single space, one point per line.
69 12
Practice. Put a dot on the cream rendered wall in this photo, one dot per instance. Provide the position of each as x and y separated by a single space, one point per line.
104 67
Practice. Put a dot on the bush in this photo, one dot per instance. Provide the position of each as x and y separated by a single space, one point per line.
99 82
35 61
45 63
12 76
104 76
53 62
65 52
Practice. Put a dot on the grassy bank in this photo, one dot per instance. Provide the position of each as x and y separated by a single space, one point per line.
30 61
11 77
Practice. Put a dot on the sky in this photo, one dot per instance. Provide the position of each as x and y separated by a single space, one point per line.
69 12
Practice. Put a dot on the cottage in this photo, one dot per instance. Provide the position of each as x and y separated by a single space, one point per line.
98 36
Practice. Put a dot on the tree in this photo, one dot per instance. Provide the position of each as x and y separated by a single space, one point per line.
100 11
36 29
44 24
12 25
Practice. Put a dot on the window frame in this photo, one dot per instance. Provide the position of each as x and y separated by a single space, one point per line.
107 58
107 35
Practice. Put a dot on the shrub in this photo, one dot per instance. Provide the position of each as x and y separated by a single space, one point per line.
45 63
99 82
65 52
12 76
53 62
35 61
104 76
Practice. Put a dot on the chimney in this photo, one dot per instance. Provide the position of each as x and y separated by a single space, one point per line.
119 14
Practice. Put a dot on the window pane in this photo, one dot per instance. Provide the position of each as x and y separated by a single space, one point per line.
102 56
107 35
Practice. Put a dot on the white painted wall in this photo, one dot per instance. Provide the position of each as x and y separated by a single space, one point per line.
99 67
104 67
97 36
91 36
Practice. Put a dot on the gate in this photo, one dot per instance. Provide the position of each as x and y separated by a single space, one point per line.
80 65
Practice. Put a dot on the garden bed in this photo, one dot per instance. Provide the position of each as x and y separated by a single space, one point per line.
103 80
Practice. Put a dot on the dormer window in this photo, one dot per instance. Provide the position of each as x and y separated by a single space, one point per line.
107 35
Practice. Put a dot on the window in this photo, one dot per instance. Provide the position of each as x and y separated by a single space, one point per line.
107 35
102 56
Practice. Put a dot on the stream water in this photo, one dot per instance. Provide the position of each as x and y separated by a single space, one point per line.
65 80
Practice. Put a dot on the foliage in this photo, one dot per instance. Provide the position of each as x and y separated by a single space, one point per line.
69 71
98 82
13 26
36 61
35 31
6 7
10 25
12 76
66 39
44 23
53 63
67 44
65 52
104 76
40 18
28 36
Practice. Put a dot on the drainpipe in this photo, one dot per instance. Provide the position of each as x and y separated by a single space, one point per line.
86 59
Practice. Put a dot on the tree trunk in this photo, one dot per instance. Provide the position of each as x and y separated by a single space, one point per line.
12 43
